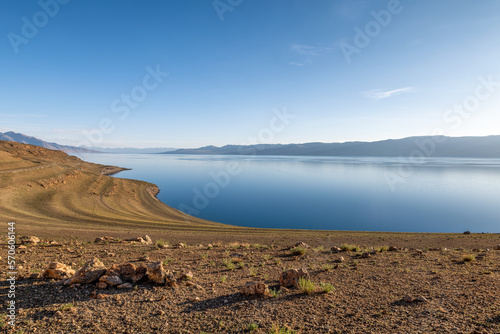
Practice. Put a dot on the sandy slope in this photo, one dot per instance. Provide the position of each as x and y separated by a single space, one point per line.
41 189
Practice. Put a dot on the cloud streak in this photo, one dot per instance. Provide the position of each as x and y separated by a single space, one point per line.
309 50
378 94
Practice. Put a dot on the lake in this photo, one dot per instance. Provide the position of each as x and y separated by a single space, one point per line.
331 193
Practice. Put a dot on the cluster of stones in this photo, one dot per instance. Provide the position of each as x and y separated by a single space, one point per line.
146 239
122 276
288 278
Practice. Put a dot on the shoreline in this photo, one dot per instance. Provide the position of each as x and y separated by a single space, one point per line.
65 197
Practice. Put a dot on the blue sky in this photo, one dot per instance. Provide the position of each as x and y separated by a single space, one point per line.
232 65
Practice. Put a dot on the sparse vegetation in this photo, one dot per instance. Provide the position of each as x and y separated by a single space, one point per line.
229 264
306 286
350 248
161 243
327 267
66 307
252 271
468 258
298 251
327 287
274 293
277 329
382 249
253 327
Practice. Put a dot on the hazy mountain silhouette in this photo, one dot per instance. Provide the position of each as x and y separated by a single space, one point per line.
426 146
23 139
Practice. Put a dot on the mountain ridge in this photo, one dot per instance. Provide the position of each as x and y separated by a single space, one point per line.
24 139
417 146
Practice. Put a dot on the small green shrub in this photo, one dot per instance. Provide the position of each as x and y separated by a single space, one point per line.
252 271
66 307
277 329
383 249
327 267
229 264
298 251
253 327
274 292
468 258
327 287
306 286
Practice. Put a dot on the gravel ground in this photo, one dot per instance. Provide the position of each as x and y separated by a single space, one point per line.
369 292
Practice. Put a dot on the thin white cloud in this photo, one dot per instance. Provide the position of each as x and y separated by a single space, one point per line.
296 64
309 50
379 94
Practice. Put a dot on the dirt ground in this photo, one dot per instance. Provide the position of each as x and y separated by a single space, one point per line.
457 282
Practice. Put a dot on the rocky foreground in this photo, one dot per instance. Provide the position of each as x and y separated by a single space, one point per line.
145 286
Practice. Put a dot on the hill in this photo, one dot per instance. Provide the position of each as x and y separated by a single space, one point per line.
428 146
24 139
46 190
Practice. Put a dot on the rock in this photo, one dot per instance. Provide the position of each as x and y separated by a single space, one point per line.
255 288
22 247
111 280
408 299
58 314
105 238
147 240
195 299
125 286
365 255
58 270
156 272
29 240
187 276
236 255
290 277
497 247
144 258
140 273
336 249
392 249
301 244
102 285
90 272
341 259
137 239
35 276
467 232
180 245
421 299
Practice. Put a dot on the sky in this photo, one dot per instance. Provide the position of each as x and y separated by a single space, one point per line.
190 73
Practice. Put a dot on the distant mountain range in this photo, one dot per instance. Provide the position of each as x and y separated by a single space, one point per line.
23 139
129 150
426 146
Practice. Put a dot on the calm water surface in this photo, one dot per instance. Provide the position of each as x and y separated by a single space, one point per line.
369 194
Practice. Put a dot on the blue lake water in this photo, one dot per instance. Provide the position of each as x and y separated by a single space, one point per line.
332 193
